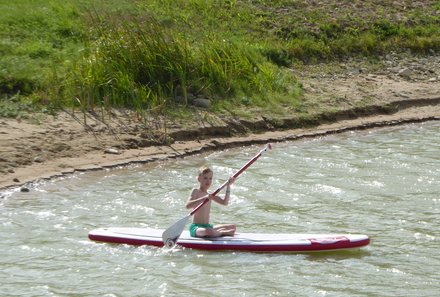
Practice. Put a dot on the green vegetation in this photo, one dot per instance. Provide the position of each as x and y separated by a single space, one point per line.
160 54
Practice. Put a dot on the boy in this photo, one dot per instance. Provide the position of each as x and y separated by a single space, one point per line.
200 226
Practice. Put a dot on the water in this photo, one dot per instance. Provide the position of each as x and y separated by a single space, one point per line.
384 183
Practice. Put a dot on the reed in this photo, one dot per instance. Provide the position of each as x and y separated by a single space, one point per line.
141 64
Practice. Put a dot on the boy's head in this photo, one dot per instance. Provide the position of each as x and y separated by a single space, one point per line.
204 169
205 176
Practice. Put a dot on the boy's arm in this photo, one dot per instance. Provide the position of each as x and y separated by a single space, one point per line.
225 201
193 200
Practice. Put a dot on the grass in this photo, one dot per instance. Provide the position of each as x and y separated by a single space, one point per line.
35 36
159 55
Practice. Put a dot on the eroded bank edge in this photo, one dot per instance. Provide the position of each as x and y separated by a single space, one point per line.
219 144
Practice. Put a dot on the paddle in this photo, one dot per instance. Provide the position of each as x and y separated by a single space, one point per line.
170 235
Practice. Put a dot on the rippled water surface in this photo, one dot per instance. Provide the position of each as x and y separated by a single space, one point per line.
384 183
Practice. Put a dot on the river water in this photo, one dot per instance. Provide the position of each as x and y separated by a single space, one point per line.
384 183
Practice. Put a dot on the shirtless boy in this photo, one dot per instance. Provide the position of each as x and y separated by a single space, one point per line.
200 226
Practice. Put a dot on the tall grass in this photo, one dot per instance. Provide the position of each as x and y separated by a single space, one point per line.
139 63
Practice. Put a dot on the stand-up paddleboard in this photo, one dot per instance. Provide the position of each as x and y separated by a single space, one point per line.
253 242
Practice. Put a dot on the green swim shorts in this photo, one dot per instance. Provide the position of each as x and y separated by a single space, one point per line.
193 228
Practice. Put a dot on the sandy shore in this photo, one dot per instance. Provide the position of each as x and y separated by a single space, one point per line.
98 158
46 147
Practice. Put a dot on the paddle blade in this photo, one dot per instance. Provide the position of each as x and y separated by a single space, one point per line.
172 234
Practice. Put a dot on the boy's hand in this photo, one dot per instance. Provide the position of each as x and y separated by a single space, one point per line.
231 180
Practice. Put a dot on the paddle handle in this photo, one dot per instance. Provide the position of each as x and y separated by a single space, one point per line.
240 171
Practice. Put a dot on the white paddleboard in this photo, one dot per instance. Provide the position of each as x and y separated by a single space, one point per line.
255 242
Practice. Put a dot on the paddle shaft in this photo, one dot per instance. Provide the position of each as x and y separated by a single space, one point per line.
242 169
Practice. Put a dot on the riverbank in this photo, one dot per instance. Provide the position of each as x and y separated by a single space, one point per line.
361 96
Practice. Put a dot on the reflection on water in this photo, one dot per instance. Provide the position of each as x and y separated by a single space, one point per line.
383 183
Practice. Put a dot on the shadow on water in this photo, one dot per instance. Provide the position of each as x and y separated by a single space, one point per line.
338 255
178 250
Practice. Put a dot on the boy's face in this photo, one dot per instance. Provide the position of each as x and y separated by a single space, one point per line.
205 180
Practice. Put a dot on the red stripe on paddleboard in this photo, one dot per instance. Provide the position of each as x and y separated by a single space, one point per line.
121 240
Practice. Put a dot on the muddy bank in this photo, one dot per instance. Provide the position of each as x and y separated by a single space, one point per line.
90 151
347 96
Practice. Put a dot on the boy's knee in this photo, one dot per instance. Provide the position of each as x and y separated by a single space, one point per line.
205 232
212 233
